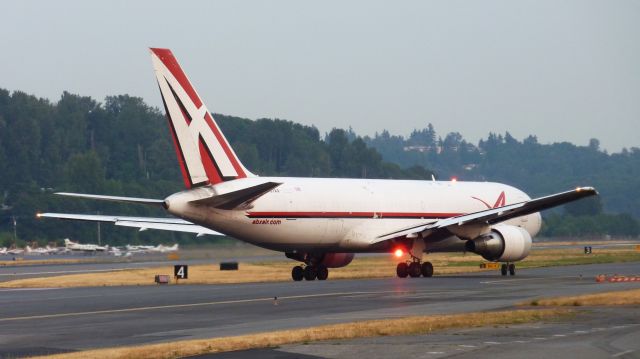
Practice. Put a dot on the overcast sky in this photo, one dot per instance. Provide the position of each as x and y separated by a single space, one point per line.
563 70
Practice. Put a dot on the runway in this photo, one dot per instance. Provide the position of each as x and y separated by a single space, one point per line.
39 321
600 333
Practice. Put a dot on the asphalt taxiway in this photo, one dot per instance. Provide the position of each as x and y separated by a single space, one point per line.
597 333
38 321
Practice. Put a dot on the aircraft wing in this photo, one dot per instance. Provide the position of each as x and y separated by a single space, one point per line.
143 223
147 201
494 215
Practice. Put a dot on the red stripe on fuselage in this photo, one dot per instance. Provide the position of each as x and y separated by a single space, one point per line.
418 215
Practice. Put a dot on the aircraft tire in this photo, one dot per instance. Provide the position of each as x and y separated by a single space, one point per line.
310 273
512 269
503 269
426 269
297 273
402 270
322 273
414 270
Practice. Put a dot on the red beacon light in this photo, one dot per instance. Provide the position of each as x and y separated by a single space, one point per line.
398 252
454 179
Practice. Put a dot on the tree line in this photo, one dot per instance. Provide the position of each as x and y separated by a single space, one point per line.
122 147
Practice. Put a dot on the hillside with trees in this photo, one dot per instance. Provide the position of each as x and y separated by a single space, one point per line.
122 147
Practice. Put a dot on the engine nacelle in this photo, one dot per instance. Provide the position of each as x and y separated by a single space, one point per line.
329 260
336 260
503 244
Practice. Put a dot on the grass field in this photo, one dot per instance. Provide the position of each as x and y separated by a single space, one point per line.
370 328
363 267
622 297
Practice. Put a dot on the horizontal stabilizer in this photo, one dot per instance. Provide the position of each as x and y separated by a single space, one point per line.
143 223
238 198
147 201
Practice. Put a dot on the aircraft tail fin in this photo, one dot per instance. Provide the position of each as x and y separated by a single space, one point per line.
204 154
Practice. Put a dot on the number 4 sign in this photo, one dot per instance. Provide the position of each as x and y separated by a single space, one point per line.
181 271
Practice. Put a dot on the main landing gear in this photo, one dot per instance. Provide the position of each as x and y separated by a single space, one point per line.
414 269
508 267
309 272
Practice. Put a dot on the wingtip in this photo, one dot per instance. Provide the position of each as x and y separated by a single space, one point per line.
589 190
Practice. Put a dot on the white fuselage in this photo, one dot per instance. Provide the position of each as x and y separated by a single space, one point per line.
344 215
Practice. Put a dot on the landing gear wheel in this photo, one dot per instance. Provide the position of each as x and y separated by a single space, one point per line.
512 269
402 270
322 273
297 273
310 273
414 269
503 269
426 269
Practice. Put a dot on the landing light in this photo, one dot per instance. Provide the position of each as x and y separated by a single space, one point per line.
454 179
398 253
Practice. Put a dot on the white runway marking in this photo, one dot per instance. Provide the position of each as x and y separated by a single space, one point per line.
189 305
509 281
67 272
25 289
622 353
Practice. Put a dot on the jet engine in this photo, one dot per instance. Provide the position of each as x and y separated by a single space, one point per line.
336 260
503 244
329 260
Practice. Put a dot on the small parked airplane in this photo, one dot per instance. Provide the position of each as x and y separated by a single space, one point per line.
150 249
323 222
15 251
37 251
74 246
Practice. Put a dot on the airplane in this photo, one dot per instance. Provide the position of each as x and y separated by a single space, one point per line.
324 222
164 249
37 251
151 249
139 248
3 250
15 251
56 250
74 246
116 252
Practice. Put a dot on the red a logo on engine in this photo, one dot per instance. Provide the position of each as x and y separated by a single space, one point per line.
204 154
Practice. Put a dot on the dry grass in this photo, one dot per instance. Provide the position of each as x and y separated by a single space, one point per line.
622 297
371 328
361 267
198 274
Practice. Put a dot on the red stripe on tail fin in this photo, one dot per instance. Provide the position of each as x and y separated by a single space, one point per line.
204 153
